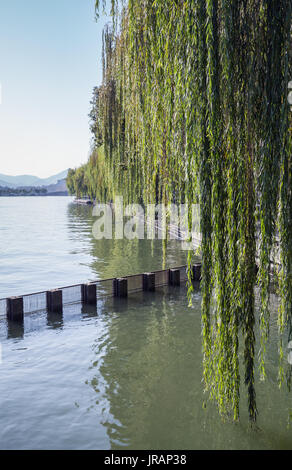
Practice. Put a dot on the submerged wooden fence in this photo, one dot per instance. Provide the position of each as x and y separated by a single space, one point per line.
88 294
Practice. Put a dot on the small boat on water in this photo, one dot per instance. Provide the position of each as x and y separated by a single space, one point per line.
83 201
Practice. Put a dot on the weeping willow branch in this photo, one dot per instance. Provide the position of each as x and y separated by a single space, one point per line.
193 108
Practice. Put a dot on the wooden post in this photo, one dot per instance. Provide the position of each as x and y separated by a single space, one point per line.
15 309
174 277
115 287
88 294
149 282
55 301
197 272
120 287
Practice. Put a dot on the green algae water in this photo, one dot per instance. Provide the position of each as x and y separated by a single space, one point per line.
125 374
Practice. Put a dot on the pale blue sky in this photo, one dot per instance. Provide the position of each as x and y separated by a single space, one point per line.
50 60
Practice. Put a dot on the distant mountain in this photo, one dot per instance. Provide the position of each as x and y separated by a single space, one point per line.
4 184
29 180
57 189
60 187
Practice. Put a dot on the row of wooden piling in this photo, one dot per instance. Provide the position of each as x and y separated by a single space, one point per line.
54 298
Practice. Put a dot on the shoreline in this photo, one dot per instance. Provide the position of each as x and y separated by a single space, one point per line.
36 195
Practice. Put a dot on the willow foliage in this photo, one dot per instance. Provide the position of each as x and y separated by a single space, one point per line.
193 108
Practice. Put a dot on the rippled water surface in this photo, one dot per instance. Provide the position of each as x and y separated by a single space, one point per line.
123 375
47 242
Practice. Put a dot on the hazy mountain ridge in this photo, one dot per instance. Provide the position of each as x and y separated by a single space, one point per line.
30 180
57 189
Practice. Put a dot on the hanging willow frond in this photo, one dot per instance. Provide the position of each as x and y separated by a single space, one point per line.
193 108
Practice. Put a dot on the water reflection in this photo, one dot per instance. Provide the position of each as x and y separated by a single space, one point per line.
51 245
146 375
116 258
55 320
15 330
88 311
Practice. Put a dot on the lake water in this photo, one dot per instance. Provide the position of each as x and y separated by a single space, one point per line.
47 242
123 375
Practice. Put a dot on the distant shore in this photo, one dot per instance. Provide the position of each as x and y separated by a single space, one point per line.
21 194
58 188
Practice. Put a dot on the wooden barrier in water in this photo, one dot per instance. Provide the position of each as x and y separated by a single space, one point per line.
55 301
120 287
174 277
197 272
149 282
87 294
15 309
